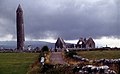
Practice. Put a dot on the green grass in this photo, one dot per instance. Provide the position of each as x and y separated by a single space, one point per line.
16 63
99 54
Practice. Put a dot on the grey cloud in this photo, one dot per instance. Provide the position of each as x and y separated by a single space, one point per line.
69 19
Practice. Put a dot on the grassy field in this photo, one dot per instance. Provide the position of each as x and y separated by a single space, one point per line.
16 63
99 54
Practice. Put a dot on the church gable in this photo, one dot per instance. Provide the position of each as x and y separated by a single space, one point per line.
90 43
60 43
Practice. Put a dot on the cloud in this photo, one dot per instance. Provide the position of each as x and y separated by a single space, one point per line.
108 41
69 19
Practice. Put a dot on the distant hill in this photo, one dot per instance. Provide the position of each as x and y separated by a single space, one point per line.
12 44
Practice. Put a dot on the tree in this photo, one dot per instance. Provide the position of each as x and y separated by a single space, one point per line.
45 48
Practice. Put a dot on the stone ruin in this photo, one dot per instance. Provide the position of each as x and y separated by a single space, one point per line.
82 43
60 43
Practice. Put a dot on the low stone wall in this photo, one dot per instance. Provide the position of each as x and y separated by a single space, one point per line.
92 49
114 64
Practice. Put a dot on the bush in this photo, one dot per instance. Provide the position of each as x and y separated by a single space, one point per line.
46 67
45 48
70 54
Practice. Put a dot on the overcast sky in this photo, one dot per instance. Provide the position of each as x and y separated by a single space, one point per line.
69 19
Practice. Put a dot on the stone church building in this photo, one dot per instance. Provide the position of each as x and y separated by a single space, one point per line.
82 43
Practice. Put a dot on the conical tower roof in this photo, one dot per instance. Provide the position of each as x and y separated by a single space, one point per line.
19 9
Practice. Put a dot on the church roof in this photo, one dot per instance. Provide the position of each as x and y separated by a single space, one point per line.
90 40
60 42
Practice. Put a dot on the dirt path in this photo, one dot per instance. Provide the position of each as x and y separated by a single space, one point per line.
56 58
